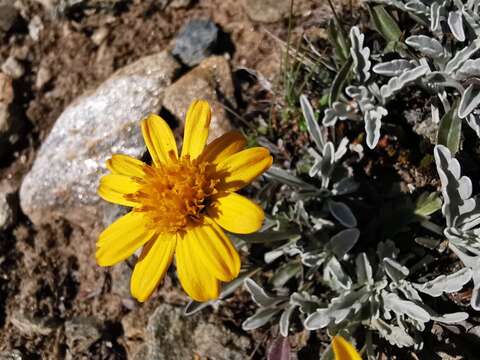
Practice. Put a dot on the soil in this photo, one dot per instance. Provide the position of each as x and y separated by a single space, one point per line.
39 265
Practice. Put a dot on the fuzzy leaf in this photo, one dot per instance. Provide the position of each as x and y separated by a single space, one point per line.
364 269
333 273
435 10
360 55
345 186
426 45
342 242
404 307
342 213
393 67
470 100
450 130
258 294
445 283
395 335
373 123
462 56
451 318
285 177
427 204
260 318
394 270
395 84
284 322
285 273
312 124
455 22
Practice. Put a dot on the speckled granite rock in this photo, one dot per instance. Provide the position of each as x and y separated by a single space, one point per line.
64 178
171 335
211 81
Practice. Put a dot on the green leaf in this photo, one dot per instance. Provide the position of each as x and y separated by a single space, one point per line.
339 41
384 23
427 204
450 130
340 80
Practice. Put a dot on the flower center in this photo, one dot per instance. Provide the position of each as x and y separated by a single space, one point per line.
176 194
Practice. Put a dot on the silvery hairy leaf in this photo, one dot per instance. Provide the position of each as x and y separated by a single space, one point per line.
259 295
401 307
284 322
455 22
285 177
373 123
438 79
342 213
435 10
312 125
306 303
342 242
339 81
330 117
360 54
327 163
345 186
395 84
387 249
417 7
393 67
260 318
426 45
456 189
469 101
450 130
394 270
472 262
451 318
470 68
285 273
395 335
289 248
341 149
363 269
340 308
445 283
462 56
334 274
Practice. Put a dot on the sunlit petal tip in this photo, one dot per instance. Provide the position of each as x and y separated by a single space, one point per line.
224 146
197 123
344 350
159 139
227 208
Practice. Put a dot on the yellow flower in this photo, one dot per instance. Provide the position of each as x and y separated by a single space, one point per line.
180 205
343 350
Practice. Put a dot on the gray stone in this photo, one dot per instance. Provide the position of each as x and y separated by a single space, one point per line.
35 28
178 4
11 355
6 98
31 326
8 15
209 79
64 178
196 41
267 11
12 67
81 333
171 335
6 211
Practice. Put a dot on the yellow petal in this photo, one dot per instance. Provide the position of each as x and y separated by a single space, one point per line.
126 165
152 265
115 187
236 213
197 282
122 238
197 123
343 350
224 146
240 169
159 139
215 250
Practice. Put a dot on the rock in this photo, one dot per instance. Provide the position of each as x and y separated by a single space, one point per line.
267 11
43 76
8 15
6 211
6 98
13 68
178 4
35 27
121 274
81 333
11 355
31 326
207 81
196 41
64 178
193 337
99 35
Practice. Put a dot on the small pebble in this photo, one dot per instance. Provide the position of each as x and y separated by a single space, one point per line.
13 68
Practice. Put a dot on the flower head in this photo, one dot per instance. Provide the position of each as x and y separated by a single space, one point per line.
343 350
181 204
